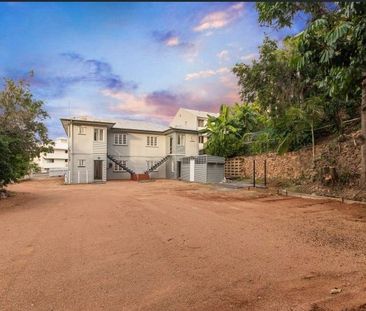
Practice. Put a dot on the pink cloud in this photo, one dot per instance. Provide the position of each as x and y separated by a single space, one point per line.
220 19
206 73
162 105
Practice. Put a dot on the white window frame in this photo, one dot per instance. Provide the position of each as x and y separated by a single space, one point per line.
100 134
120 139
117 168
200 120
152 141
180 139
173 167
82 130
81 163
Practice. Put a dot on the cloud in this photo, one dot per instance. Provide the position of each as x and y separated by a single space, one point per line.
93 70
220 19
159 105
249 57
171 39
163 104
206 73
55 77
223 55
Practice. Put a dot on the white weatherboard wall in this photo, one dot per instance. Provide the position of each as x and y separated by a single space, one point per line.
184 119
189 119
191 148
136 152
83 147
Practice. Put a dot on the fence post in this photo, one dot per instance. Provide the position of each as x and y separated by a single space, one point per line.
265 172
253 173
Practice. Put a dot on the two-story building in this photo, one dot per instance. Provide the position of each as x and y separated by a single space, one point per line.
56 160
101 150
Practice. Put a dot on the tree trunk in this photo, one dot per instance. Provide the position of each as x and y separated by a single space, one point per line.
363 130
313 142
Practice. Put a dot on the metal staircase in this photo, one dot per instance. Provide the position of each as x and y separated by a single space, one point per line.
157 164
120 164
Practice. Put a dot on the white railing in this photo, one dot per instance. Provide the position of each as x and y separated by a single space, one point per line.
57 172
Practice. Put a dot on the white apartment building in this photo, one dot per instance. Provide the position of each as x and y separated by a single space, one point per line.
56 160
100 150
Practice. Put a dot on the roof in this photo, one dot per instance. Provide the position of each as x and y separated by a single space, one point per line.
140 125
201 114
122 124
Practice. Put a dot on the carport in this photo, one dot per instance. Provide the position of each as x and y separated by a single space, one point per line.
203 169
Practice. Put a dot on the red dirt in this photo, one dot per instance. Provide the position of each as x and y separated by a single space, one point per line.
137 177
169 245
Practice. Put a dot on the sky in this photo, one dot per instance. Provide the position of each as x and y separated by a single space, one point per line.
138 61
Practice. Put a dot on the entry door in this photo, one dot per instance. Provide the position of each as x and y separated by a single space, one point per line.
191 170
98 169
179 169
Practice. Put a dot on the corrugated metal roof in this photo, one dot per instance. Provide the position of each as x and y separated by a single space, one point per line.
140 125
201 114
125 124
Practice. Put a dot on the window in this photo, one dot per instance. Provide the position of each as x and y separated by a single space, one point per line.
82 130
200 160
81 162
117 168
65 160
98 134
50 160
152 141
201 122
65 151
120 139
201 139
180 140
150 164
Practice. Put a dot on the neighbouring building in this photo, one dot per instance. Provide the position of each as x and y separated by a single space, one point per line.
56 160
100 150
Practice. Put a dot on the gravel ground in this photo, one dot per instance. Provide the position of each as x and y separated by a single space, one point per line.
169 245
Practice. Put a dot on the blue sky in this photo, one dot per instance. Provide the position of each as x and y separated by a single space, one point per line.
129 60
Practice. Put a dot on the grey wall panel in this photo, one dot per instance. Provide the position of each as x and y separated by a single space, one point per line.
185 172
215 172
215 159
200 173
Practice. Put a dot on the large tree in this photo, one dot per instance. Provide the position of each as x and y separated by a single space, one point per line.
334 39
23 135
272 80
283 92
228 133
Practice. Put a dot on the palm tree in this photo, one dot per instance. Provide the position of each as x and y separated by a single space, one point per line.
220 132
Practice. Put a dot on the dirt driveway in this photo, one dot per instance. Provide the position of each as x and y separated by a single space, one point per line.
169 245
